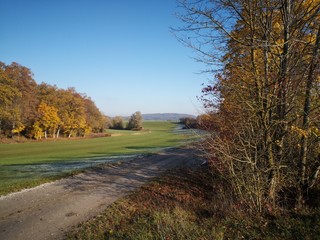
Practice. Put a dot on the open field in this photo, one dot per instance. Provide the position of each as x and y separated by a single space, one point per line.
157 134
29 164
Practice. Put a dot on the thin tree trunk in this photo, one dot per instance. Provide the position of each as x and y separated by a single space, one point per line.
266 20
315 175
306 118
273 177
283 81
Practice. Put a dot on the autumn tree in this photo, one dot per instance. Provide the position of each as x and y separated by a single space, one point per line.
265 97
107 121
117 123
135 121
73 114
94 117
32 109
9 113
26 102
47 120
206 121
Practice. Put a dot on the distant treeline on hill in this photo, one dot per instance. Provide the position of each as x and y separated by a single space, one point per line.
41 110
166 116
203 121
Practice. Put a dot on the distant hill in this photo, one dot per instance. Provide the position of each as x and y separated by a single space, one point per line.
166 116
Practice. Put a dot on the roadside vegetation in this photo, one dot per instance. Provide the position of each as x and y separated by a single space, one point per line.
263 102
19 162
193 204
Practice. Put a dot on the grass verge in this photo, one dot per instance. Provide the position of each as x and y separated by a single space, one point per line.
192 204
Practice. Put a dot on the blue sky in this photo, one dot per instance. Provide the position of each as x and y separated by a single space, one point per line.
120 53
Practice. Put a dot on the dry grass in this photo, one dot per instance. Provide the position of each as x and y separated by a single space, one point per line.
192 204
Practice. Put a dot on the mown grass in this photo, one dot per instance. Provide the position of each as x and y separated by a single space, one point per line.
192 204
156 134
17 160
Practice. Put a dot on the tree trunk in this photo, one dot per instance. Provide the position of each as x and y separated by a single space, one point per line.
58 132
306 119
315 175
284 78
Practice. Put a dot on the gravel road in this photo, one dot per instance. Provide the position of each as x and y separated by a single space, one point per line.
50 210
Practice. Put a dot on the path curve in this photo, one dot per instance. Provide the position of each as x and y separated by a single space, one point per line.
51 210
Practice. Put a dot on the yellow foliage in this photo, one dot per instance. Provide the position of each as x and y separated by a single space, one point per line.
305 133
48 116
18 128
315 131
299 131
37 131
311 38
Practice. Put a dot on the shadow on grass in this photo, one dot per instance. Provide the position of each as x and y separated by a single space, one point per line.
141 147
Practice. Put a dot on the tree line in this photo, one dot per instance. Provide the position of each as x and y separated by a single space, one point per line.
203 122
264 98
41 110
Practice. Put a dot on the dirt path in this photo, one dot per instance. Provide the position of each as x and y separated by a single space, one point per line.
50 210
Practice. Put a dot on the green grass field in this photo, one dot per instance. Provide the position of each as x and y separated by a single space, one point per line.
29 164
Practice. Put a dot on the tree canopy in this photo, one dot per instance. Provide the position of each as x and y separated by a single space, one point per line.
264 97
135 121
41 110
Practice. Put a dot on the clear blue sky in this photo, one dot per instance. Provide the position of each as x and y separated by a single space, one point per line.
120 53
